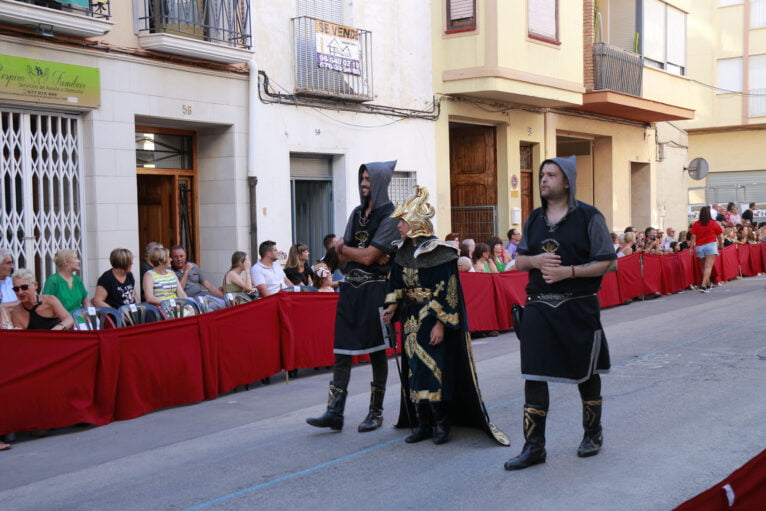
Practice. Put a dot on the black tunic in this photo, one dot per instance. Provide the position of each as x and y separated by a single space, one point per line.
561 336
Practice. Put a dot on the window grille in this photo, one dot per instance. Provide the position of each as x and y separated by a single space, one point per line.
400 188
41 198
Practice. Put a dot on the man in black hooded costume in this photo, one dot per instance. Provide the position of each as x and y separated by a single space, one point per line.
439 376
566 248
365 249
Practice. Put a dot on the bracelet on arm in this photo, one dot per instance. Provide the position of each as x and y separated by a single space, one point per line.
573 273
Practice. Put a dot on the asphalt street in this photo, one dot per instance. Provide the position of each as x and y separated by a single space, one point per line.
683 408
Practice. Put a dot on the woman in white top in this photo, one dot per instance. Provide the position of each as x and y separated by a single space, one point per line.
160 283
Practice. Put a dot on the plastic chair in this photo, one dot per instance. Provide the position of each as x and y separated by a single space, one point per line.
179 308
232 299
139 314
209 303
96 318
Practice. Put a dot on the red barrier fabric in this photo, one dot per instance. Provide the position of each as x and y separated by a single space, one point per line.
510 288
479 293
308 329
743 254
652 274
672 280
160 366
609 294
743 490
756 258
687 263
248 340
729 262
631 284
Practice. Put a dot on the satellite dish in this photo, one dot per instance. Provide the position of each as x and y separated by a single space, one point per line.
698 168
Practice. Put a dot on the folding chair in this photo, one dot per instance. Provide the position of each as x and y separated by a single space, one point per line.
139 314
179 308
96 318
209 303
232 299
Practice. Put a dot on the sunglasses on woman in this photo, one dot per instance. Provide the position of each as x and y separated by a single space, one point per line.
22 287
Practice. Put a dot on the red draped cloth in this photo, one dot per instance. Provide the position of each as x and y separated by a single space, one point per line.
652 274
756 258
672 276
479 293
631 283
729 262
609 294
510 288
744 490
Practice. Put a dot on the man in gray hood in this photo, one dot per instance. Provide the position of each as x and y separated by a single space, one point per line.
566 248
366 249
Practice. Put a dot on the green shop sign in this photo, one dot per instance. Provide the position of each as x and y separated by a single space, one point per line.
40 81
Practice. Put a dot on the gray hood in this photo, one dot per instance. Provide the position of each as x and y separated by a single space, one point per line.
569 167
380 177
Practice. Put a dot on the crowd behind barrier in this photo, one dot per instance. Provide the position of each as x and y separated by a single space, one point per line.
56 379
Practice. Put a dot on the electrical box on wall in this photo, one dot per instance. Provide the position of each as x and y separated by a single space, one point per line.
515 215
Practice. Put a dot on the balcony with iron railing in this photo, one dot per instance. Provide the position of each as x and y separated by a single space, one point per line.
79 18
332 60
617 69
217 30
622 86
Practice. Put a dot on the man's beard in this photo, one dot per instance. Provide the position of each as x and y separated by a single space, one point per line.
366 202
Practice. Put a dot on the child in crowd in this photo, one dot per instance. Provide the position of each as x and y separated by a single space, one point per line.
322 278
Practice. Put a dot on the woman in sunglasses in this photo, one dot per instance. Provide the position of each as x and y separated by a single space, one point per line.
37 312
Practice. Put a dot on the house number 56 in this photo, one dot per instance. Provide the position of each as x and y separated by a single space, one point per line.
186 109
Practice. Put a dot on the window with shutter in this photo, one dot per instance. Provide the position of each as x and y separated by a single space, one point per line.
461 15
663 36
542 19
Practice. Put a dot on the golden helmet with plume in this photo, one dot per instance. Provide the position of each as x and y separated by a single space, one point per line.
417 212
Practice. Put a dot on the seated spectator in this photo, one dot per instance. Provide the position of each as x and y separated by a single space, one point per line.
328 242
117 287
465 264
498 254
466 248
322 278
741 238
751 238
747 215
651 241
674 247
453 239
297 267
237 279
37 312
161 283
65 284
8 298
625 247
514 237
640 241
482 261
267 274
332 262
668 239
146 264
615 240
687 240
193 282
729 238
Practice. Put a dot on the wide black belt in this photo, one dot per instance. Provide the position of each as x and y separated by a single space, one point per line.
358 277
555 298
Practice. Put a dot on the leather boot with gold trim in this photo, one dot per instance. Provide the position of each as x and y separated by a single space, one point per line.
423 416
593 438
374 418
533 451
333 417
441 423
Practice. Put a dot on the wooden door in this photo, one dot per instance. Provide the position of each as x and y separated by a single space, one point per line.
527 188
473 181
156 220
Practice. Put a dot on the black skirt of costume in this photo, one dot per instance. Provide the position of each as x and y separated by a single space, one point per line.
357 319
562 340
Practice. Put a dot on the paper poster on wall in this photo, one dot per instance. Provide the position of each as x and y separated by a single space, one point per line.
338 48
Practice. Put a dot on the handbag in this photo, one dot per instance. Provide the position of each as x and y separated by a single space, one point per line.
517 313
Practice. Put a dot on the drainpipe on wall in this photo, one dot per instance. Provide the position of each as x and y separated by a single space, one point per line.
252 179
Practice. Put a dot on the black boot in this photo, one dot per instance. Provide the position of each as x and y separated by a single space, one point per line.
374 417
591 423
333 417
534 436
423 431
441 424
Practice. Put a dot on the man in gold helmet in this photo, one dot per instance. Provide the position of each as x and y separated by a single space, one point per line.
425 295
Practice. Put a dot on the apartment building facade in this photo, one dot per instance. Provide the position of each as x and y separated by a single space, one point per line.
526 81
728 63
129 122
